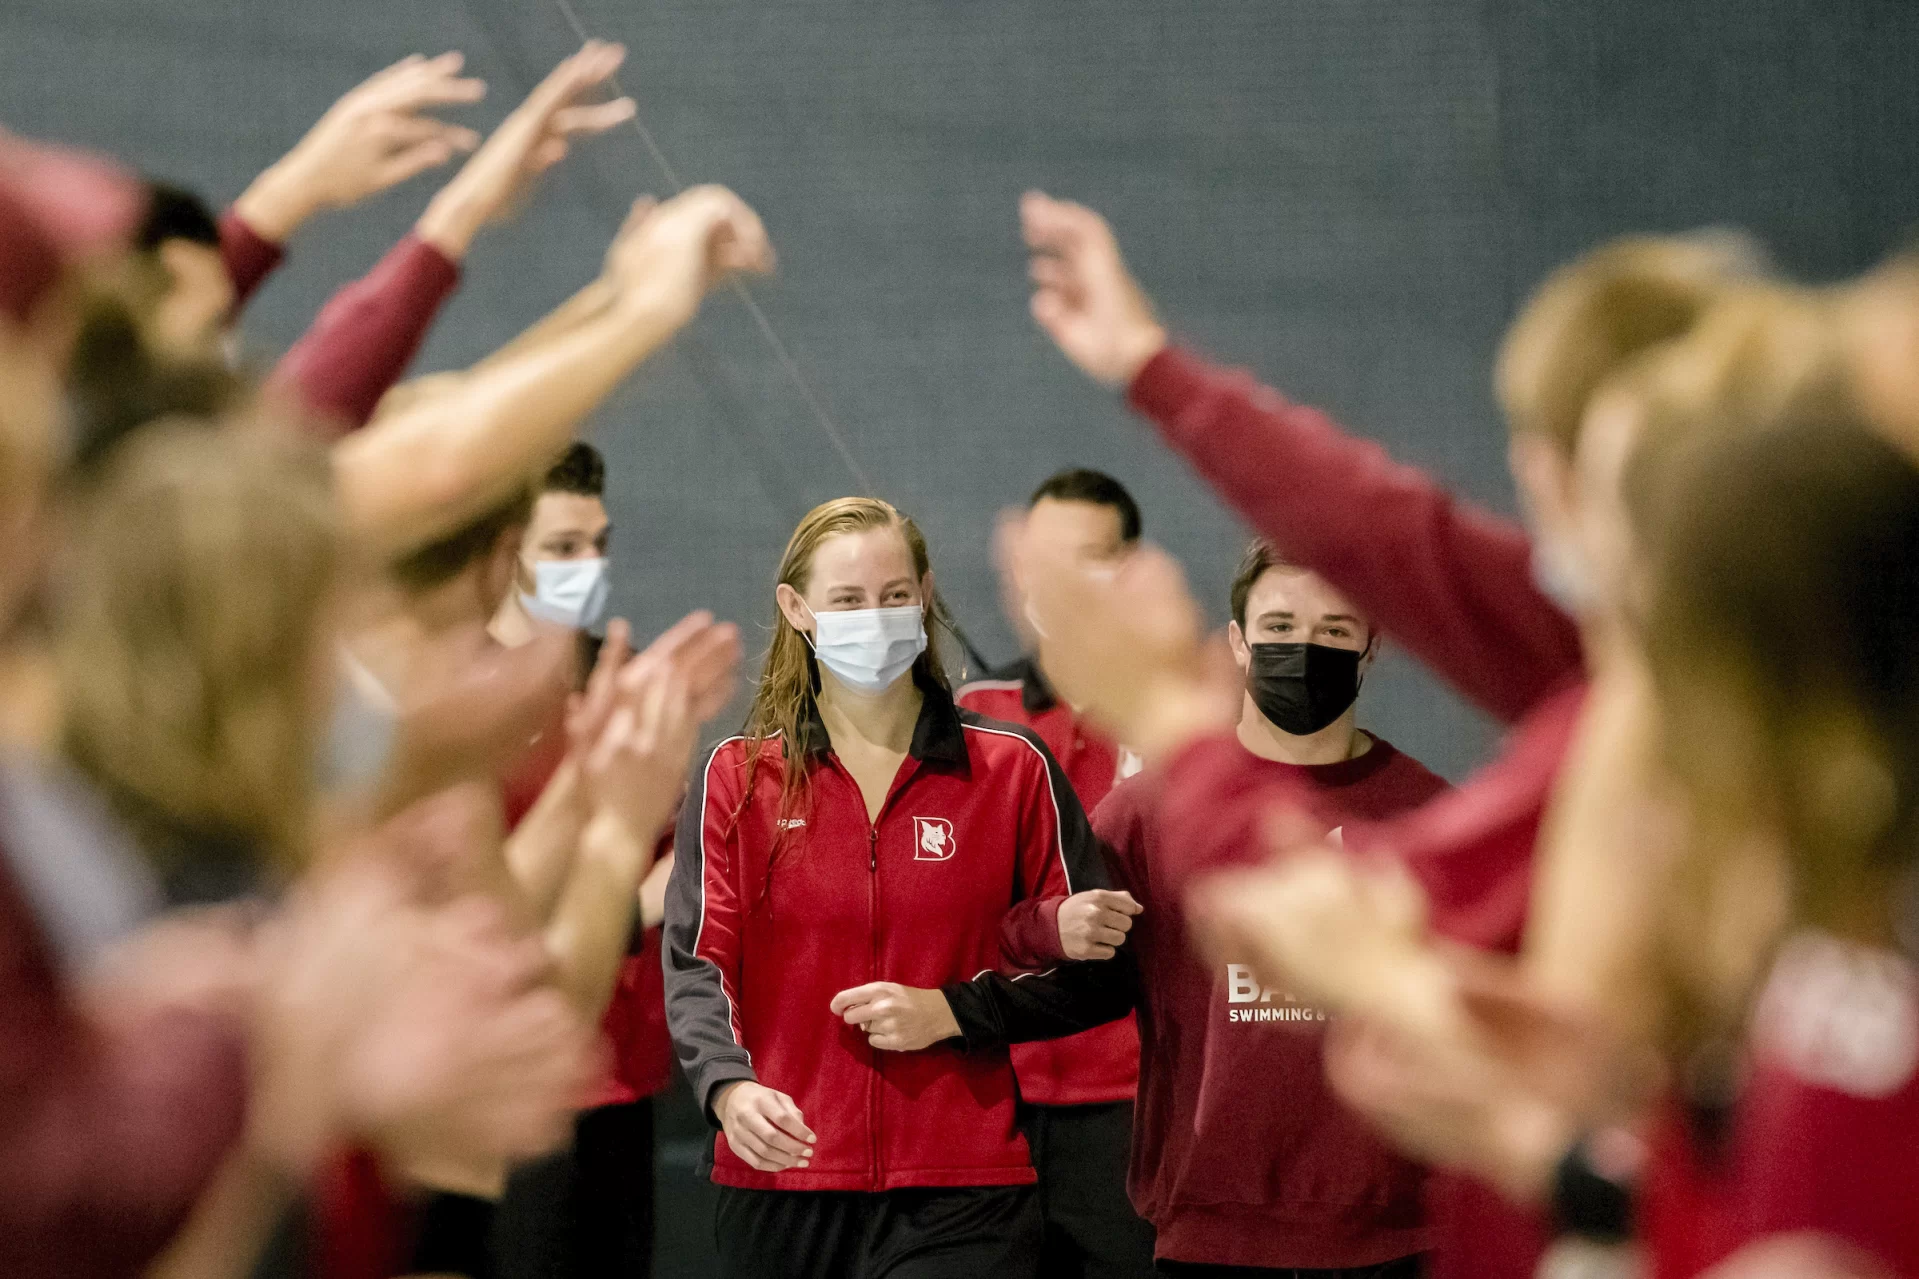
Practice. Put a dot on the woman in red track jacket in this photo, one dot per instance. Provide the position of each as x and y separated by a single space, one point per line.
849 855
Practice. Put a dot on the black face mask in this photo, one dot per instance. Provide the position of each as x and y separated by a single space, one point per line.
1303 687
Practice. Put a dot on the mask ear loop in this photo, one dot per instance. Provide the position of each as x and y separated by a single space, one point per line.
1371 651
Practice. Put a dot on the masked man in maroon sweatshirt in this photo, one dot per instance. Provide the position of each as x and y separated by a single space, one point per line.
1242 1159
1488 606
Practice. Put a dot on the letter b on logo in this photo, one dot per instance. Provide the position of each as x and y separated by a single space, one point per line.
1240 986
933 839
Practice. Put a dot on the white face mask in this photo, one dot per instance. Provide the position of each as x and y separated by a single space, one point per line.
568 592
868 648
361 732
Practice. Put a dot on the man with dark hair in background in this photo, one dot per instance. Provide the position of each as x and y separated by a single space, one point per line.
563 561
1076 1093
587 1211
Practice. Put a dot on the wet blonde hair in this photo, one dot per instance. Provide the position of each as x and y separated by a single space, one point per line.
187 632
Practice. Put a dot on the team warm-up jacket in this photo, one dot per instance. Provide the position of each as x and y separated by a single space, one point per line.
771 914
1101 1064
1452 583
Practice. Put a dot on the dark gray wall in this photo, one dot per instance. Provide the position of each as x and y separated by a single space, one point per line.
1347 195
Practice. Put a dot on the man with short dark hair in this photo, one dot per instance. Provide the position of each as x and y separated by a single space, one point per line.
563 561
1076 1093
1242 1158
589 1209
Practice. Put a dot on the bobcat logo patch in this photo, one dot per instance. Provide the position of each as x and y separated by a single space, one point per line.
933 839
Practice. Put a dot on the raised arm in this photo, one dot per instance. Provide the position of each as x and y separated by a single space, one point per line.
1449 581
368 334
427 469
632 754
372 139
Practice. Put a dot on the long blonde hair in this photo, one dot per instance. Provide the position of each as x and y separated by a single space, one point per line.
186 636
790 677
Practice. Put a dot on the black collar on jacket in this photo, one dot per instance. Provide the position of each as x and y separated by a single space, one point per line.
937 735
1036 696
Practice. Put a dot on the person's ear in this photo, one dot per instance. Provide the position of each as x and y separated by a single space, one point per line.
1236 640
502 571
1370 654
926 595
793 609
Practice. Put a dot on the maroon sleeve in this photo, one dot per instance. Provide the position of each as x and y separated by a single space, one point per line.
364 338
107 1138
250 257
1451 582
1029 933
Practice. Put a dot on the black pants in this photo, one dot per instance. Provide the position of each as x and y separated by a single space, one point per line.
1404 1268
1081 1153
587 1212
978 1232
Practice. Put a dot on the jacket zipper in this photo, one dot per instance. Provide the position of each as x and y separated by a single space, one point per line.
873 974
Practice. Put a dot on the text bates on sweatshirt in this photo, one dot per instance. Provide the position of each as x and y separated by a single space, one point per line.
1247 1001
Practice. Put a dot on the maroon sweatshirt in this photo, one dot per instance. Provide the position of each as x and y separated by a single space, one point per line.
107 1136
1241 1154
367 334
1101 1064
1454 585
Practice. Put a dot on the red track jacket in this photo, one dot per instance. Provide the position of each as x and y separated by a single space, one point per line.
1101 1064
765 925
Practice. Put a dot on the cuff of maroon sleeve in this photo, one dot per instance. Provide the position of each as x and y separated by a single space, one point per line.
974 1014
249 256
1168 382
1035 936
432 273
714 1075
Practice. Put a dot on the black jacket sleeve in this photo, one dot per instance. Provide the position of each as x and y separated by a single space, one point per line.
994 1010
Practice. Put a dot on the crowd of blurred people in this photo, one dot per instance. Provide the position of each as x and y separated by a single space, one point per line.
350 859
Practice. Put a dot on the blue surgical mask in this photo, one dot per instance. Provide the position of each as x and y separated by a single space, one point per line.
867 649
361 732
568 592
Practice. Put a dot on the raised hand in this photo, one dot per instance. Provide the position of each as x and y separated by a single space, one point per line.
667 257
1083 295
1344 933
763 1127
534 138
896 1018
634 730
462 1050
1094 924
375 137
1122 643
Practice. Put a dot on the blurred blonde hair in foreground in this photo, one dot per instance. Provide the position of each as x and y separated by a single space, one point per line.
190 602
